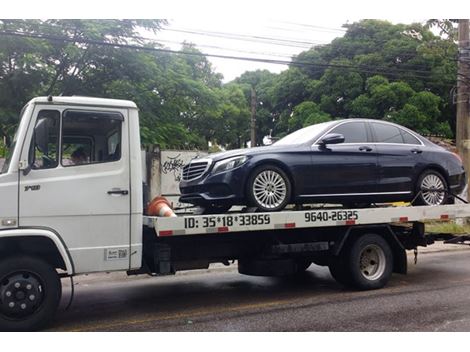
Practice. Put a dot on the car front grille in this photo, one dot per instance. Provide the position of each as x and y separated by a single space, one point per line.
194 170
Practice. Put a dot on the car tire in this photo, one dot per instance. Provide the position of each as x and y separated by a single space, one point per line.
268 188
30 292
431 179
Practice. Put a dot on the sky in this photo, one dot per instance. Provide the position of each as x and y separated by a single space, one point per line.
272 39
274 30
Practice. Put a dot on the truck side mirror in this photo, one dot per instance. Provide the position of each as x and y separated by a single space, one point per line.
25 167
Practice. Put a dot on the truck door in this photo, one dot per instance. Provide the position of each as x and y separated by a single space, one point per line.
77 182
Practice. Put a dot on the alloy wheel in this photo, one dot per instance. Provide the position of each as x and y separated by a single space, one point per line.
269 189
433 189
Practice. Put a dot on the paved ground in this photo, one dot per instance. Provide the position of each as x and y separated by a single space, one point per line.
1 163
434 296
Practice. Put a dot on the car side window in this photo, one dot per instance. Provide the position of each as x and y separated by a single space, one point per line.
408 138
90 137
353 132
387 133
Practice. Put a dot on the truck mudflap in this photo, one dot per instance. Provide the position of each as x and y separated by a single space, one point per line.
326 217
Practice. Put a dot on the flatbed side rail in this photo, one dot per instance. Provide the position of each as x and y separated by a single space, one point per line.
245 222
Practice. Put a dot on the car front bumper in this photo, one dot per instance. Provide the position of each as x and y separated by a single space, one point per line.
225 188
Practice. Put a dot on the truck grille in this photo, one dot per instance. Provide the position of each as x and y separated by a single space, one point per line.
194 170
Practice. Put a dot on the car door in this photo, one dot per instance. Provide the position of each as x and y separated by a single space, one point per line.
78 184
345 168
399 155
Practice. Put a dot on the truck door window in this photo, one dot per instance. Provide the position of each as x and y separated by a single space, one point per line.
76 150
90 137
45 145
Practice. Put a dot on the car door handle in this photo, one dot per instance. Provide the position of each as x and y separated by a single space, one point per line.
365 149
416 151
123 192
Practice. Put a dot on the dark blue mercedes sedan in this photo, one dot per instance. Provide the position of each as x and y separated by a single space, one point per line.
343 161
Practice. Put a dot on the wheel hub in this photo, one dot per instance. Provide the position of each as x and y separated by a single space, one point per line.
372 262
433 190
20 294
269 189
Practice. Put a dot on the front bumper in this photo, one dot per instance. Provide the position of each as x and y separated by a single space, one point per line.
226 188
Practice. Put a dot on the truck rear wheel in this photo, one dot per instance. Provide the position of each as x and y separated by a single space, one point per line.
338 271
30 292
366 264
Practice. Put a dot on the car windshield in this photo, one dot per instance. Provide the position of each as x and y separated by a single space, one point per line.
305 134
12 145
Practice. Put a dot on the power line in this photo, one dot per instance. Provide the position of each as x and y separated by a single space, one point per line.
251 38
363 68
330 29
402 54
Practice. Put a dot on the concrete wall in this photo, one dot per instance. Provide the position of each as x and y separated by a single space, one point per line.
162 172
1 163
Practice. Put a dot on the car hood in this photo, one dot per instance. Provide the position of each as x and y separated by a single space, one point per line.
247 151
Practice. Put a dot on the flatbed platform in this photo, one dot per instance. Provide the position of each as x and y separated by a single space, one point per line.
324 217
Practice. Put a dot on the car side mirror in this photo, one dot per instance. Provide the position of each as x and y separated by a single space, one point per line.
332 138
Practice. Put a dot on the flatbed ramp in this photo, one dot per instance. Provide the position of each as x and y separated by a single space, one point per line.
323 217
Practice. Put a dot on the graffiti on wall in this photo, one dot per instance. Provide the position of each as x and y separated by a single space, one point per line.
172 163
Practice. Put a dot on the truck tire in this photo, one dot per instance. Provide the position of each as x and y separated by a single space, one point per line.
368 263
339 273
30 292
302 265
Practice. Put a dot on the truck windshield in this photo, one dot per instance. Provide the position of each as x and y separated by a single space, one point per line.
9 155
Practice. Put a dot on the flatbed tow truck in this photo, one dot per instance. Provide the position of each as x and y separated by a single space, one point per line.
60 218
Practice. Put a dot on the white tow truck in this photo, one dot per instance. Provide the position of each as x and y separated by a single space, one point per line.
71 203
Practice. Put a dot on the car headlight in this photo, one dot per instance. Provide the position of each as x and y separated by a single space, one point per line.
228 164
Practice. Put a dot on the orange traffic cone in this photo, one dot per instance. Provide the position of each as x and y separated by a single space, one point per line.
160 206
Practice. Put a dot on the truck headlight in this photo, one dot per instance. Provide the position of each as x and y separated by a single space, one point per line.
228 164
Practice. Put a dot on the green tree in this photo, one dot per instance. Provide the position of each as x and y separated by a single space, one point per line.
306 114
262 81
421 113
373 70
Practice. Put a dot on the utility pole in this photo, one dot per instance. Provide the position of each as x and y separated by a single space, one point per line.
253 117
463 78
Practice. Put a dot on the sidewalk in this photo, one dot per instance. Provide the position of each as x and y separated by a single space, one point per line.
439 246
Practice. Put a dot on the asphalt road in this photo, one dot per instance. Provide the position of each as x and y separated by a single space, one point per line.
434 296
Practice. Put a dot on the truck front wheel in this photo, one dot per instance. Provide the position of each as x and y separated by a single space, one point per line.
30 292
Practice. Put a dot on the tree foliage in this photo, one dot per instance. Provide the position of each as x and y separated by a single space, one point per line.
402 73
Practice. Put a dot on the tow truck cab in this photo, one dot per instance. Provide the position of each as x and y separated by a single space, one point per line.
72 181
